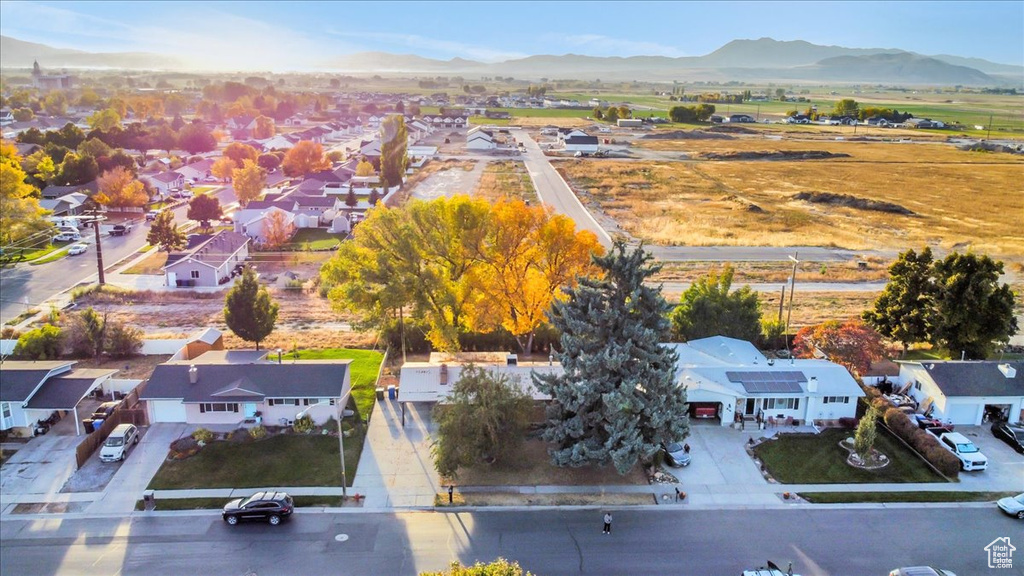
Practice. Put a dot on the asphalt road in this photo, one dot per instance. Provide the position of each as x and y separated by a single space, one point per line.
36 284
821 542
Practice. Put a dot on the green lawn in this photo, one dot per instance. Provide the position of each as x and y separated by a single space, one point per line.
282 460
880 497
818 459
53 257
365 367
315 239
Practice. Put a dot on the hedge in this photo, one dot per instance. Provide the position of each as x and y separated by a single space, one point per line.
924 443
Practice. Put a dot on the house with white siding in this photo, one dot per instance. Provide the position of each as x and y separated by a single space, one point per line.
968 392
207 260
31 391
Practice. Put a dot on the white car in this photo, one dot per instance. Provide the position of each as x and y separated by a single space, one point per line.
920 571
76 249
1013 506
67 237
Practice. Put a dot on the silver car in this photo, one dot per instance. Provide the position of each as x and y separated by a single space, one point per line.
677 455
1013 506
920 571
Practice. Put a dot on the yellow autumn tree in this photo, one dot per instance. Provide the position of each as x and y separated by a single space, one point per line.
277 230
248 181
223 168
364 168
306 157
20 213
118 188
264 128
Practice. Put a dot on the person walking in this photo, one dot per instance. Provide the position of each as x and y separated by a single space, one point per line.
677 493
607 523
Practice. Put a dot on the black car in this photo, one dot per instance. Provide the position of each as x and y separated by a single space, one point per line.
1011 434
269 506
103 411
120 229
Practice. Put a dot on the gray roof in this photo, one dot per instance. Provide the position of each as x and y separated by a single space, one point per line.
581 140
286 205
19 379
214 250
167 177
976 378
248 382
65 392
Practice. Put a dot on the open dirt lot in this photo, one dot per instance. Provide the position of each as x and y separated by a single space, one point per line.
506 178
959 200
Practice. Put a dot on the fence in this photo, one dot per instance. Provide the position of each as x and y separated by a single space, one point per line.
129 412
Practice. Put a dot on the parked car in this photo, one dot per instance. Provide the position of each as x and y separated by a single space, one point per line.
76 249
120 229
152 214
920 571
970 457
117 444
1012 435
67 237
677 455
103 411
1013 506
269 506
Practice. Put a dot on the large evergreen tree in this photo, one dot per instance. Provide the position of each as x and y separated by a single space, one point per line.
972 311
617 400
164 232
248 309
393 140
708 308
902 310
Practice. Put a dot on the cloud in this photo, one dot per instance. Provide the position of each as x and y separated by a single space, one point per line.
598 45
439 48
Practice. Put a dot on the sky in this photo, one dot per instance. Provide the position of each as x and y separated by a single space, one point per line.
290 35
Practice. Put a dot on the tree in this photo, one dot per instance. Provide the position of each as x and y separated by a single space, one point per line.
76 169
611 114
248 182
484 420
707 308
350 199
684 114
704 111
23 114
972 311
598 114
196 138
374 197
852 344
278 230
55 103
204 208
123 341
845 107
364 168
268 161
223 168
305 158
393 141
617 400
43 343
264 128
864 438
95 147
20 213
239 153
163 138
248 309
84 334
902 311
164 233
499 567
118 188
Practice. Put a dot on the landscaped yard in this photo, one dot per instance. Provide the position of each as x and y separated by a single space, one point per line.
282 460
818 459
315 239
875 497
364 369
152 264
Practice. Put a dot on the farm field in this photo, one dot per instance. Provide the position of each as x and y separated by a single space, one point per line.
955 199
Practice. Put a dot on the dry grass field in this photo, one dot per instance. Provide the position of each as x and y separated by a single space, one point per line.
506 178
874 269
958 199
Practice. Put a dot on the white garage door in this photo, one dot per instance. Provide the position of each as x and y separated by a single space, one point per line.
964 414
167 411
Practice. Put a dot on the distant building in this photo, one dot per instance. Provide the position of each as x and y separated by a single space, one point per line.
49 81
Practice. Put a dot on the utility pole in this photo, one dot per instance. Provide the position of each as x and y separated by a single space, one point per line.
99 247
792 288
989 137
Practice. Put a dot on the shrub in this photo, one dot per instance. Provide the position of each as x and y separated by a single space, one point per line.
945 461
848 422
303 425
10 333
123 340
40 344
239 435
258 433
202 435
183 448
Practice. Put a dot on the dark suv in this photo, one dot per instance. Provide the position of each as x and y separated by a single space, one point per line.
270 506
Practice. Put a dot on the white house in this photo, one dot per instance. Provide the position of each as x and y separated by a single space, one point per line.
963 392
432 381
196 171
724 377
566 133
207 260
228 387
165 182
584 144
31 391
479 139
252 220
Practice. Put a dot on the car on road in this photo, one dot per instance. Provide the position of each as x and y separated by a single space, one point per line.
271 507
1014 506
152 214
677 455
920 571
67 236
1011 434
123 437
76 249
120 229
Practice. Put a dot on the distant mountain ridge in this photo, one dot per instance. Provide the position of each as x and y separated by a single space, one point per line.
763 59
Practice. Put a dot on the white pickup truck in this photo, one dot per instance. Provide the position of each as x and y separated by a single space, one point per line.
970 457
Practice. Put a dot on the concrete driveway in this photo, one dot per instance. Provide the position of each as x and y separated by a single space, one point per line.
41 467
1005 465
135 473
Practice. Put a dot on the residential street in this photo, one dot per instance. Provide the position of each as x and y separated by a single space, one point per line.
834 542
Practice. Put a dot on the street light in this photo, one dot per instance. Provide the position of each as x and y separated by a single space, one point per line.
341 436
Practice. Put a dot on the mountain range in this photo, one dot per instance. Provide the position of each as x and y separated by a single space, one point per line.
764 59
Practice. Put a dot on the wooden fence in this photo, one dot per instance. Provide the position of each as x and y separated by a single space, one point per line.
129 412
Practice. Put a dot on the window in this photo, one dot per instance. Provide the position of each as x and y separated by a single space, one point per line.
194 274
283 402
835 400
917 385
218 407
6 407
782 403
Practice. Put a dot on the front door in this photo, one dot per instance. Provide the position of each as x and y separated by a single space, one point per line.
250 409
751 407
5 416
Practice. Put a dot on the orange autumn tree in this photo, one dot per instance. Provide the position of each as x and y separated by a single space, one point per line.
306 157
852 344
528 256
118 188
223 168
278 229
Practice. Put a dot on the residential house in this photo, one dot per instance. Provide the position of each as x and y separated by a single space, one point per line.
966 392
281 142
432 381
241 128
231 387
315 211
741 118
252 220
479 139
207 261
31 391
584 144
165 182
565 133
53 192
725 377
66 205
26 148
197 171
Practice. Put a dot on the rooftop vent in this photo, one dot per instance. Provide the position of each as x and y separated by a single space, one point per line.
1007 370
193 374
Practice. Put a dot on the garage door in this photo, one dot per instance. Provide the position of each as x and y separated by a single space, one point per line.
167 411
964 414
